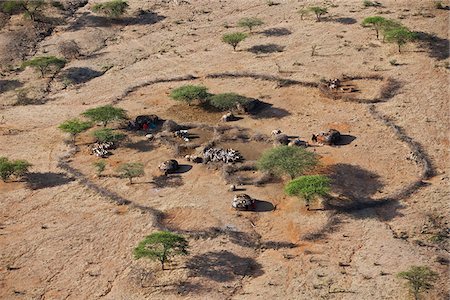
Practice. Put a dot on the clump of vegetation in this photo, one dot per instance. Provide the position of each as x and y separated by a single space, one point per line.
161 246
227 101
308 187
112 9
45 64
439 5
16 168
375 22
234 38
74 127
420 279
69 49
31 9
400 36
250 23
286 160
131 170
107 135
190 93
318 11
100 166
388 25
368 3
105 114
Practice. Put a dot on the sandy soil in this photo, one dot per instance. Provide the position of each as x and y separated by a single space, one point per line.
68 234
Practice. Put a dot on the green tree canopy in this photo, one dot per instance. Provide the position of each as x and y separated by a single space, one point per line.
105 114
318 11
250 23
375 22
400 36
131 170
287 160
190 93
15 168
45 64
420 279
113 9
308 187
74 127
106 135
234 38
30 8
161 246
227 101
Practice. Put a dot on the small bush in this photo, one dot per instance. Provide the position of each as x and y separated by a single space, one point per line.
308 187
400 36
69 49
227 101
16 168
420 279
190 93
234 39
368 3
439 5
45 64
105 114
318 11
375 22
112 9
106 135
30 9
250 23
131 170
74 127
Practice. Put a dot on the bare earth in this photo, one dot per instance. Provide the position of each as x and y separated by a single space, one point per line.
70 235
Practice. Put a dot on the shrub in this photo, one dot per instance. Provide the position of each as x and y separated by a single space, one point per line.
400 36
308 187
131 170
69 49
420 279
15 168
45 64
368 3
74 127
318 11
100 166
375 22
105 114
227 101
286 160
161 246
439 5
30 9
234 39
250 23
107 135
190 93
112 9
388 25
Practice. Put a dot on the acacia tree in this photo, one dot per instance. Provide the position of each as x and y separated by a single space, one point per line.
45 64
308 187
227 101
318 11
131 170
287 160
105 114
74 127
161 246
375 22
388 25
113 9
107 135
16 168
250 23
400 36
420 279
190 93
234 38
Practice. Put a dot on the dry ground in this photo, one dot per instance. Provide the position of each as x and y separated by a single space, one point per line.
66 236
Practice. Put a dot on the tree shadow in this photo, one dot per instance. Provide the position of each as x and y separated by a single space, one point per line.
141 146
263 206
89 20
346 139
345 21
437 47
79 75
266 110
8 85
281 31
223 266
37 180
167 181
266 49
